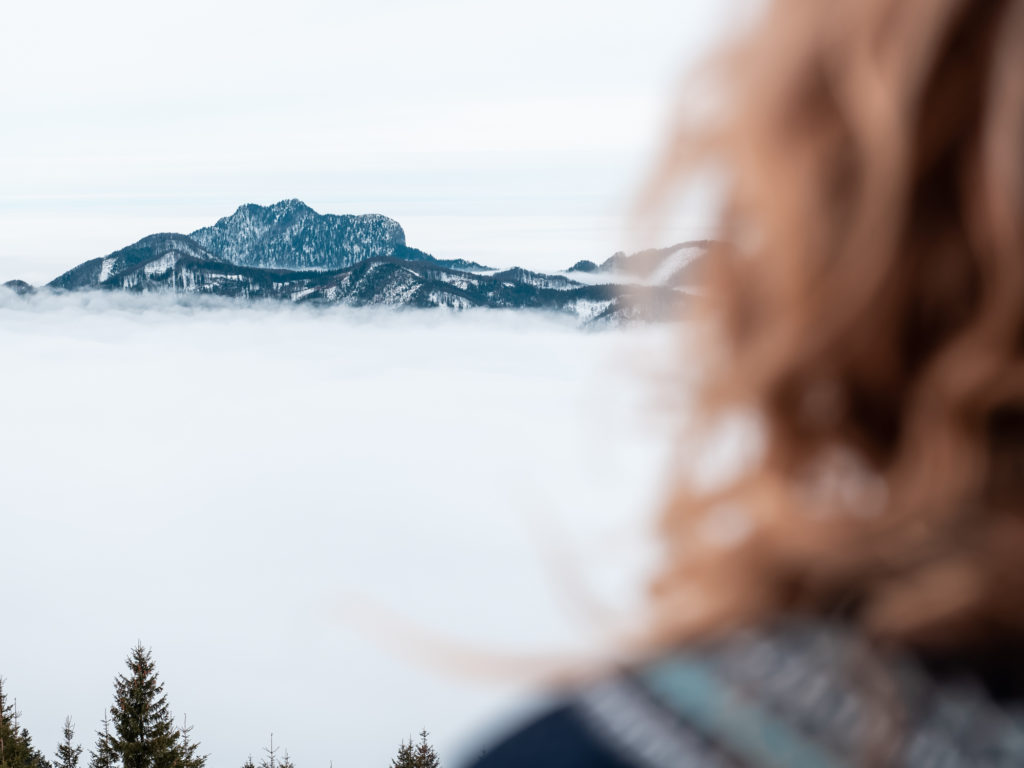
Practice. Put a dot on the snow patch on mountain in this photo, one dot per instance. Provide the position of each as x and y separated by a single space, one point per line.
674 263
106 269
160 266
588 309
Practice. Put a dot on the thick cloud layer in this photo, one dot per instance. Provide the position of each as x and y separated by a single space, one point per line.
216 482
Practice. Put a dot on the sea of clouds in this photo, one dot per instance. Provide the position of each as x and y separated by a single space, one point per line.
286 504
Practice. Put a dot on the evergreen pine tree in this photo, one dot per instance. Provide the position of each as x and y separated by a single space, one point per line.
103 756
270 759
249 763
424 755
16 750
67 752
406 757
144 734
189 750
7 733
286 761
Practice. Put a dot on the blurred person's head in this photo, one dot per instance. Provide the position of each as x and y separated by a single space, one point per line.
865 310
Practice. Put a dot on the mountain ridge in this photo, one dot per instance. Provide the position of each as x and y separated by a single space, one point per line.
289 252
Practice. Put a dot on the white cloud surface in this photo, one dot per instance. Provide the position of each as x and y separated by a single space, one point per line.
213 481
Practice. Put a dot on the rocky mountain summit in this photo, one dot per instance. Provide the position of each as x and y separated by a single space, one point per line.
291 235
289 252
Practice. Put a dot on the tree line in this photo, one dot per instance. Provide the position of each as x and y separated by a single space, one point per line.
139 731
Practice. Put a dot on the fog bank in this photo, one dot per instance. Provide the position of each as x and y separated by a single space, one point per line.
214 481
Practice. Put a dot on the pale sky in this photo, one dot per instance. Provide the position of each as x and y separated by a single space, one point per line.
509 132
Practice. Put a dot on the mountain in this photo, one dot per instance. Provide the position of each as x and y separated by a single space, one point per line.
678 266
536 279
154 255
20 287
177 264
289 252
291 235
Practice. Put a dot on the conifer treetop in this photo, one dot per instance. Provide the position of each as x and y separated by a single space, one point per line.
416 755
67 752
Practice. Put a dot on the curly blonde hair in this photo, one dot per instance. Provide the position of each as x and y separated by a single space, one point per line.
865 309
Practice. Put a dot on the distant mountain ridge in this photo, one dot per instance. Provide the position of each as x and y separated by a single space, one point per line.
289 252
678 265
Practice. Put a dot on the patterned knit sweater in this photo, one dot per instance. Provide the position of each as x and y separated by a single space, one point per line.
798 695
